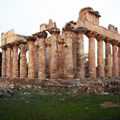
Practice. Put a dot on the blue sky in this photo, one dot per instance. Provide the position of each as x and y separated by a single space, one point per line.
25 16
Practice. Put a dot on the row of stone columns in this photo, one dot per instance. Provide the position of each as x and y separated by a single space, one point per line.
73 56
111 67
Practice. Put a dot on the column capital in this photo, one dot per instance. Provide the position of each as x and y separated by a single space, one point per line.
21 43
107 40
4 47
81 30
114 42
16 43
54 31
30 38
100 37
91 34
40 34
9 45
68 28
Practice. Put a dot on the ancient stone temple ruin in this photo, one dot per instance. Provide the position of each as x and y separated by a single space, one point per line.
61 54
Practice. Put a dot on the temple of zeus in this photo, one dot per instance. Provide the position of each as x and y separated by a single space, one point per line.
61 53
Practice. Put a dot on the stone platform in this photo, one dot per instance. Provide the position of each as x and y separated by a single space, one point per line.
97 86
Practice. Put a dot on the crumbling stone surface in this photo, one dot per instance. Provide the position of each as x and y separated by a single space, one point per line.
97 86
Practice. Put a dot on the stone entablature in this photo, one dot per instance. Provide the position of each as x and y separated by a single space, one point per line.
61 54
10 37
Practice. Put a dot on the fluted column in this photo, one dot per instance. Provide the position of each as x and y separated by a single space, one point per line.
100 57
54 53
108 62
119 58
80 54
3 61
31 64
115 71
92 66
8 72
23 61
15 60
42 55
68 52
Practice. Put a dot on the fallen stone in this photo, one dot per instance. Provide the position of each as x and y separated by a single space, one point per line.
10 92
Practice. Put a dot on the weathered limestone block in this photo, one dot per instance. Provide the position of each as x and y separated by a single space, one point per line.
68 53
42 55
8 72
54 53
31 65
15 60
115 71
92 66
100 56
80 54
4 62
108 62
23 61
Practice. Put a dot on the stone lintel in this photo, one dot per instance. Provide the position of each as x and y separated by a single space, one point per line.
99 29
40 34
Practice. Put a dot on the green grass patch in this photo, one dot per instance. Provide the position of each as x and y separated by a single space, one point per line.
57 104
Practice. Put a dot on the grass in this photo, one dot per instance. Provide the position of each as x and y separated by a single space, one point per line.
55 104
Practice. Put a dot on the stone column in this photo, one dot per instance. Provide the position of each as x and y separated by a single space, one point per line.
74 37
54 53
48 56
100 56
15 60
23 66
36 60
61 56
80 54
68 52
115 71
31 64
42 55
11 64
92 66
3 61
108 62
8 72
119 58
